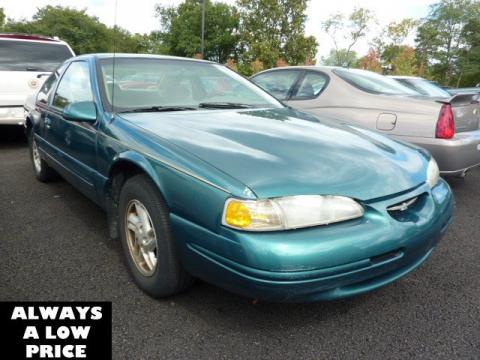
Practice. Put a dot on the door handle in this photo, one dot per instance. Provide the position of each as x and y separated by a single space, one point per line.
48 123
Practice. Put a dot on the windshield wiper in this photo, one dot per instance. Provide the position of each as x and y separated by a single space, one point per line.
159 109
224 105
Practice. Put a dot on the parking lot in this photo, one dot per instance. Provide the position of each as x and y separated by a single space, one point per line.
54 246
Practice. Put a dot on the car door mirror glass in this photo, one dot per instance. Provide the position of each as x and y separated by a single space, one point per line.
81 111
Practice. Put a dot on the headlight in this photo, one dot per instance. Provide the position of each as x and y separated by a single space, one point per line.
433 173
289 212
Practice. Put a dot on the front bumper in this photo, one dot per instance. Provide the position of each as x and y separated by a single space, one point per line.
324 262
12 115
454 156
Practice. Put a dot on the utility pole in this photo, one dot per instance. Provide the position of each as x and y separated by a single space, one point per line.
203 29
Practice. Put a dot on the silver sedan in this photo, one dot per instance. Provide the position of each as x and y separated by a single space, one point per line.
378 102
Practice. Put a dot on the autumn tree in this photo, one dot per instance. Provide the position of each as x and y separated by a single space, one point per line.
371 61
271 30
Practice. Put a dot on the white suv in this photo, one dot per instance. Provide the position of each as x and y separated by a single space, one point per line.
25 62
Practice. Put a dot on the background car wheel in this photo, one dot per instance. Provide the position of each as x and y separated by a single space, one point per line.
43 172
147 239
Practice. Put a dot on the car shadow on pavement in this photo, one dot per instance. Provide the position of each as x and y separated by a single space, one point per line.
12 136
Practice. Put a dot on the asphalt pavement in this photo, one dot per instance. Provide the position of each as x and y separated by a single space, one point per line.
54 245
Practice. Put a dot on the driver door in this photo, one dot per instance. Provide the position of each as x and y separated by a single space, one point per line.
73 143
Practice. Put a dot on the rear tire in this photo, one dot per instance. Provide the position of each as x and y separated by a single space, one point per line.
43 172
147 239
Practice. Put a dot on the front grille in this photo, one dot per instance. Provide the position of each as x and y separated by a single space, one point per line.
407 210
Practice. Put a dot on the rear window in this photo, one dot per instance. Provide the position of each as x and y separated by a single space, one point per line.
31 56
425 87
373 83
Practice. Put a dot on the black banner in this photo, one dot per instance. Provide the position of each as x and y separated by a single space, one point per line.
56 330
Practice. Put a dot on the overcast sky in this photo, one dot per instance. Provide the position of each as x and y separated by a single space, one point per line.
138 15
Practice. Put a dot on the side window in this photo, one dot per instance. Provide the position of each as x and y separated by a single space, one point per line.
278 83
46 89
47 86
311 86
74 86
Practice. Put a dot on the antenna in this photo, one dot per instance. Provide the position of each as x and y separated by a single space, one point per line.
114 55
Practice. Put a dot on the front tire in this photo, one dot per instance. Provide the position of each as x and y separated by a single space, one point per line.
147 239
43 172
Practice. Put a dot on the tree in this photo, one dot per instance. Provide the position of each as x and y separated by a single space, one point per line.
441 37
273 30
470 56
84 33
2 18
340 57
371 61
394 34
390 43
405 63
345 31
181 28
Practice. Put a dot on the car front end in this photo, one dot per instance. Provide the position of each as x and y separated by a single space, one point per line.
393 236
323 226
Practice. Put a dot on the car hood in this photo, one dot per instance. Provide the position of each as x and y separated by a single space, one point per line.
280 152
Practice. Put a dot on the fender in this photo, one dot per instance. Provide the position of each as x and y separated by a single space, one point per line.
139 160
110 190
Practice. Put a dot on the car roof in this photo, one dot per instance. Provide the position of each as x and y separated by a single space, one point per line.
405 77
31 38
142 56
324 68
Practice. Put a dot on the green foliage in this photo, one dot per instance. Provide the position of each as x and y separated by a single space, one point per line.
181 29
84 33
2 18
442 39
340 57
405 62
274 30
470 56
346 31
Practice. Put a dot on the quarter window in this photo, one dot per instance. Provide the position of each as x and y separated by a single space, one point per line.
75 86
277 83
48 85
311 86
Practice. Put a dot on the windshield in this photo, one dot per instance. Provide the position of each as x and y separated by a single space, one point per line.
143 83
17 55
425 87
372 82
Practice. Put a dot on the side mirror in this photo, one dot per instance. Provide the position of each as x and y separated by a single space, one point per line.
81 111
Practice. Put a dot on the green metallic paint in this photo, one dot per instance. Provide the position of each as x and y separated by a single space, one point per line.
81 111
199 159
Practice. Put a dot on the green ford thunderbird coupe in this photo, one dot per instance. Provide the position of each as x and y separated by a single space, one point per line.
204 175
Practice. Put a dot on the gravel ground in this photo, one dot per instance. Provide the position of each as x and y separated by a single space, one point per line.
54 246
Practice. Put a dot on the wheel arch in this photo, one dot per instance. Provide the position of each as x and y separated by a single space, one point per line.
125 166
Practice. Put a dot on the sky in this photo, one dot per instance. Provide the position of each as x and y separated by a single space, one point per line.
138 15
